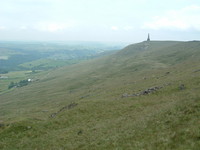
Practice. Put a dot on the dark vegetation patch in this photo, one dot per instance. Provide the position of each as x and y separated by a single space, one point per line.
18 84
3 71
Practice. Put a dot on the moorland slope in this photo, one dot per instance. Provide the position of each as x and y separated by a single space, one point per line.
145 96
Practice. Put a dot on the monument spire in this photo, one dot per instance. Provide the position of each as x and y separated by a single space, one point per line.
148 39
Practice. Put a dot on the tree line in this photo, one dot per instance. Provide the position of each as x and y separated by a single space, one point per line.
18 84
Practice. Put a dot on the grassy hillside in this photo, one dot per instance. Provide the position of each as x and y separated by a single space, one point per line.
93 105
18 59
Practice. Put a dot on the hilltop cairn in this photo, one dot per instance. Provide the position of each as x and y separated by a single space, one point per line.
148 39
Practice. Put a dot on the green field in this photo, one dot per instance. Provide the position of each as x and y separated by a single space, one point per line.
94 104
46 64
16 76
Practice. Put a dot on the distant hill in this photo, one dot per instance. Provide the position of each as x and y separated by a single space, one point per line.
145 96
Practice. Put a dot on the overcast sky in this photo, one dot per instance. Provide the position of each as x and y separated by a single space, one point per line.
99 20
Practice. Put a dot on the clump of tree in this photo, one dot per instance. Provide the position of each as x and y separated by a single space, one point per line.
11 85
3 71
18 84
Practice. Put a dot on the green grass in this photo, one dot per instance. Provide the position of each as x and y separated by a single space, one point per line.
165 119
16 76
47 64
11 77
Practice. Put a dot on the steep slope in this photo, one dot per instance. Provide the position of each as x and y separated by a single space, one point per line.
92 105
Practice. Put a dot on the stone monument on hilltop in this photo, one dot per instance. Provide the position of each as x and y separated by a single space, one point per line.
148 39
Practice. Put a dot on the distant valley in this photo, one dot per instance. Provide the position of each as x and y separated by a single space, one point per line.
48 55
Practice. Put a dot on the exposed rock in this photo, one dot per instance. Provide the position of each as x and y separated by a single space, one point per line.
197 70
125 95
2 125
145 92
70 106
53 115
167 73
181 87
80 132
150 90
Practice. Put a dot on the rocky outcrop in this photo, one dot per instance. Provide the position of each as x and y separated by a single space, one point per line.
70 106
145 92
197 70
181 87
2 125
